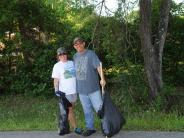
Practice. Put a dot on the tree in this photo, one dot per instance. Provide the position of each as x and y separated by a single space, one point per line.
152 48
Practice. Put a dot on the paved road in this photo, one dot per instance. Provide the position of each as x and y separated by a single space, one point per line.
122 134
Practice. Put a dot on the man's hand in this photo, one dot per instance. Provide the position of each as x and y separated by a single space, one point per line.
100 72
102 83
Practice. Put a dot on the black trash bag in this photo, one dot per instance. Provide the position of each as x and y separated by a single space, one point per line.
63 124
112 118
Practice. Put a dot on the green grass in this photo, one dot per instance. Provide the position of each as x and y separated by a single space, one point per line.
25 113
22 113
155 121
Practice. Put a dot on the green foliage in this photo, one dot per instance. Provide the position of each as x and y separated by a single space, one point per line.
173 65
31 59
127 86
162 103
28 58
36 81
177 9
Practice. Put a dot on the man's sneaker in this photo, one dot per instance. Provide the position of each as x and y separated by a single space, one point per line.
78 131
88 132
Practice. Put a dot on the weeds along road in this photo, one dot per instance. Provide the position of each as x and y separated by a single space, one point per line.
122 134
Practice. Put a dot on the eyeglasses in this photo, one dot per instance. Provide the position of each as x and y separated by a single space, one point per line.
77 43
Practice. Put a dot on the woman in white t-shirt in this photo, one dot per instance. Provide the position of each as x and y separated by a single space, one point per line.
65 87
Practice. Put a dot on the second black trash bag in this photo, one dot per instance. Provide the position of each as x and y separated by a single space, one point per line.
112 118
63 124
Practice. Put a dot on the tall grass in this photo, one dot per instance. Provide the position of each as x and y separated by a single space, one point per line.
26 113
150 120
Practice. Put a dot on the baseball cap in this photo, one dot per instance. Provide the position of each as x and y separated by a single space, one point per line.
61 51
78 39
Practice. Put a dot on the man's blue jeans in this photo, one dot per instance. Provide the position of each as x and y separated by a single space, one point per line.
90 101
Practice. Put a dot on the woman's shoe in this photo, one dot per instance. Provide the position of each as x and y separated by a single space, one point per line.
78 131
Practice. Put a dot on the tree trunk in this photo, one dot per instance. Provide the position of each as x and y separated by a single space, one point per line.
153 51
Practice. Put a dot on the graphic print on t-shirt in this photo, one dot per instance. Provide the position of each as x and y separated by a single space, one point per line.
81 68
69 72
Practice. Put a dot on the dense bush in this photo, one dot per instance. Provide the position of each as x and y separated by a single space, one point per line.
39 29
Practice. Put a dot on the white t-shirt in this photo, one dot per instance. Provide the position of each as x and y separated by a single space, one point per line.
65 72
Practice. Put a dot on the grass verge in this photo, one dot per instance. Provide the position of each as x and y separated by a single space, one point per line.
25 113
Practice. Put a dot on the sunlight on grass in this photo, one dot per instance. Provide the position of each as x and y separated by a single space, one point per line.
23 113
155 121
